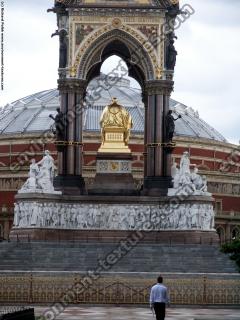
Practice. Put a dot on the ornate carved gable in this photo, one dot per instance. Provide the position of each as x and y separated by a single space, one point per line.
121 3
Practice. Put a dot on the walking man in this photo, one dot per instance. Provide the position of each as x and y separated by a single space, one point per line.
159 298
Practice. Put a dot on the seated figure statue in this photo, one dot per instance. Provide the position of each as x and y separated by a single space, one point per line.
41 176
31 184
185 177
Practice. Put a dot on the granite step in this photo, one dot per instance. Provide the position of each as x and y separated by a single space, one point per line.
144 257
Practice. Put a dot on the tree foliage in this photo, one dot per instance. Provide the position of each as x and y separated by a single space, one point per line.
233 250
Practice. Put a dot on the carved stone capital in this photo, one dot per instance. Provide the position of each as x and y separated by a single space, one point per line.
72 86
159 87
145 99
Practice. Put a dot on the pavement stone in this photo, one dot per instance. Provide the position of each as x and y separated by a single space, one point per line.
131 313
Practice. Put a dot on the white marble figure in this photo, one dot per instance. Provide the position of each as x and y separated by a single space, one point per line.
41 176
196 178
46 173
204 184
183 177
185 164
174 169
33 214
188 217
41 216
131 218
176 175
194 216
16 215
55 217
22 220
182 217
31 184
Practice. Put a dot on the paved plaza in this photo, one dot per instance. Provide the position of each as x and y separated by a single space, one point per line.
130 313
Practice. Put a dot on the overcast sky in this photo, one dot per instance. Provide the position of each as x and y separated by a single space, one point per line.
207 72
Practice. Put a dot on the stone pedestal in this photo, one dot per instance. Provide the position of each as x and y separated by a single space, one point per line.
70 184
114 141
114 175
155 186
167 237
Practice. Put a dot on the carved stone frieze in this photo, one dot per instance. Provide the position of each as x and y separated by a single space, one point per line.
186 216
120 3
11 183
224 188
117 12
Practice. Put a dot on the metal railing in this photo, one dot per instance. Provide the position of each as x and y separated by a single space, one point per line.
184 289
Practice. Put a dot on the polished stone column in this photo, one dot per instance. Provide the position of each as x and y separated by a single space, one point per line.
159 123
150 127
145 101
62 155
69 179
78 132
71 133
167 152
157 177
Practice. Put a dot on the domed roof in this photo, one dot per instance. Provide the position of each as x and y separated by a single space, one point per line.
31 114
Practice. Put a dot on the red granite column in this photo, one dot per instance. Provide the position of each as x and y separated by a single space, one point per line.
167 152
71 133
157 178
145 101
150 127
69 179
158 164
79 129
62 155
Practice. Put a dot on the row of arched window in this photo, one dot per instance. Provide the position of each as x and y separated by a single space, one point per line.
235 233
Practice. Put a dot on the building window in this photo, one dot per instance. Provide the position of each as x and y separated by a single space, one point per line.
221 233
4 209
218 206
235 233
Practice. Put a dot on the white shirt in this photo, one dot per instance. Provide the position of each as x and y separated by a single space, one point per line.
159 294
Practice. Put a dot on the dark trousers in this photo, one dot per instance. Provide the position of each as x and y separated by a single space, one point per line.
160 309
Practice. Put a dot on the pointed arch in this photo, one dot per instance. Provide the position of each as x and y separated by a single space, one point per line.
221 233
121 43
235 232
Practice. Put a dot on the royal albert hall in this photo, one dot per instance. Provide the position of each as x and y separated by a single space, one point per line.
25 132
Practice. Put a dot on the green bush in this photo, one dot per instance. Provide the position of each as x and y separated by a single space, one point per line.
233 249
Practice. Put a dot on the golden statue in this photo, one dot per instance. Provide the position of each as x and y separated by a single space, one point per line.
116 124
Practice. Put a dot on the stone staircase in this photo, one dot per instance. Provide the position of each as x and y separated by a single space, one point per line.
80 256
